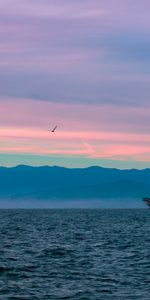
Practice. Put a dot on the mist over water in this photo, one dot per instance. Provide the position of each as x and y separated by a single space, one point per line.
78 203
75 254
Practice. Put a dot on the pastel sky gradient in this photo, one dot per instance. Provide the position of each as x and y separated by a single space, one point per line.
84 65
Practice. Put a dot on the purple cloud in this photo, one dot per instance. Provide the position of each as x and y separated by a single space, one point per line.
86 50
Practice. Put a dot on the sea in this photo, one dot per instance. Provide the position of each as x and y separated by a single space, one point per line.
76 254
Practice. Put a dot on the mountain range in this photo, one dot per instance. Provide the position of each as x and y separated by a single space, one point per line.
59 183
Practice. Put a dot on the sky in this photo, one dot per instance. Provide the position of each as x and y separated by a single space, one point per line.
83 65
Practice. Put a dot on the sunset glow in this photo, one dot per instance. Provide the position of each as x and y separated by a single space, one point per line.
82 66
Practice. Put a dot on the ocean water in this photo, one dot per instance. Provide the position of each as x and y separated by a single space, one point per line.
75 254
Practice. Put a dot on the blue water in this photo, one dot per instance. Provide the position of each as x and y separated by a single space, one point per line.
75 254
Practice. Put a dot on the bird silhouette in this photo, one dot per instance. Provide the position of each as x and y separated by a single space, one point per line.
54 129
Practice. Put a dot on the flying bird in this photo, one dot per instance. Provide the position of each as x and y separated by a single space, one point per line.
54 129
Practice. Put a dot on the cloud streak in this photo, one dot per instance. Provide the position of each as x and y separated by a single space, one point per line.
75 52
100 135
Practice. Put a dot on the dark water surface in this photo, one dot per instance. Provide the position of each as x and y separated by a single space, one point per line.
75 254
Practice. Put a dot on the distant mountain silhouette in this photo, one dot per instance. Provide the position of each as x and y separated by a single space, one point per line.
52 183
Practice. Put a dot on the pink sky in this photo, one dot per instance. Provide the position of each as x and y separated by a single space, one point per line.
105 132
83 65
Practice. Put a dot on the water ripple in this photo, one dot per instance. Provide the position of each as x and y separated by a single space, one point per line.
75 254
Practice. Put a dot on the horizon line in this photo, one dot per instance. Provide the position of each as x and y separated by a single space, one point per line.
63 167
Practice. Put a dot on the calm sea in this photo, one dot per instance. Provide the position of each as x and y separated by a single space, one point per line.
75 254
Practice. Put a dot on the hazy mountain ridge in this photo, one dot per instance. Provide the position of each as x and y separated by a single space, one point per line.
24 182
